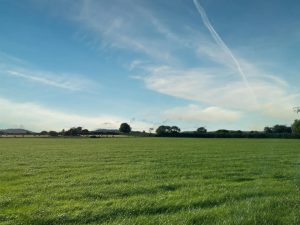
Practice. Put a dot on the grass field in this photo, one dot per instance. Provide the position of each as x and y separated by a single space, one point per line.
149 181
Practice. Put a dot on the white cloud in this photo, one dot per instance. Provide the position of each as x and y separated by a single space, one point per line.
219 87
224 84
196 114
211 52
136 64
223 46
64 81
118 27
228 82
10 58
18 68
36 117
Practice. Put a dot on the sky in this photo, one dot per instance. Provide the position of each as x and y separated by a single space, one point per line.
230 64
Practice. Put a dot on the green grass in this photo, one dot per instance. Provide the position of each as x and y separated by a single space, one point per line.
149 181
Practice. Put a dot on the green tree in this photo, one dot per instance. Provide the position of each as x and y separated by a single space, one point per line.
125 128
278 129
222 131
282 129
167 130
74 131
268 130
53 133
175 129
201 130
161 130
85 132
296 127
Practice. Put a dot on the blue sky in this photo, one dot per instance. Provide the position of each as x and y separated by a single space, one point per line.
94 63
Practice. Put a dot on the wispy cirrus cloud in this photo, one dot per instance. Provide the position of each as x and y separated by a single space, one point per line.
218 85
189 63
219 41
209 87
17 68
118 27
7 58
64 81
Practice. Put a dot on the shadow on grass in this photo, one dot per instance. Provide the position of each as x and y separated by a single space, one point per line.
115 213
115 194
102 217
242 179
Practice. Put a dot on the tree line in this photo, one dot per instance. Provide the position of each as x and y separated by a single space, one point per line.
277 131
79 131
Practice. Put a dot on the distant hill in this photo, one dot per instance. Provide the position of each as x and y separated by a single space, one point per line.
16 131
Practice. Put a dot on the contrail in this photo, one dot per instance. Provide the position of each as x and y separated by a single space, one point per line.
222 44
